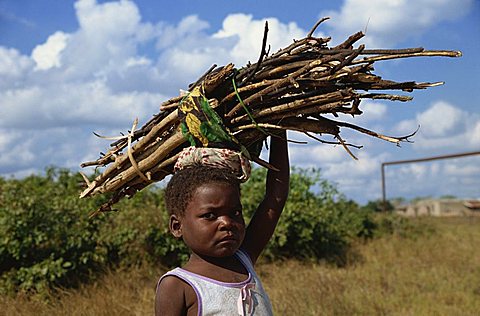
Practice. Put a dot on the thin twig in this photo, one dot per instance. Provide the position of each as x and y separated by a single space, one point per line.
260 58
310 34
193 85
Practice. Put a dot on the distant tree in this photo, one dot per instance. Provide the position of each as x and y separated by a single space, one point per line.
398 201
377 206
420 198
448 196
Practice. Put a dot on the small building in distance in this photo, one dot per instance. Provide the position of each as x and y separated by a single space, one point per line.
441 207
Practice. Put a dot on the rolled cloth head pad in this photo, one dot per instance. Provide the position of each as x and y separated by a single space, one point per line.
215 157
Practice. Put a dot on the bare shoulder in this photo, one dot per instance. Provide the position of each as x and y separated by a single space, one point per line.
174 297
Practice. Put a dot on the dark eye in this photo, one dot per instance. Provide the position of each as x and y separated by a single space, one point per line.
238 212
208 216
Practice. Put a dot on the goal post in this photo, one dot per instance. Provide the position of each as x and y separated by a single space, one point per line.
398 162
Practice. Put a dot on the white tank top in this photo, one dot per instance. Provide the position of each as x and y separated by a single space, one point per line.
220 298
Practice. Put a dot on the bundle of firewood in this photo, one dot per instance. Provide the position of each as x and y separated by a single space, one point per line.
292 89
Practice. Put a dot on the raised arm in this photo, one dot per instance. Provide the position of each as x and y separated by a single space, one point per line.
263 223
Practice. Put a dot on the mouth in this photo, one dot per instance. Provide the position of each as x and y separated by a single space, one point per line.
228 239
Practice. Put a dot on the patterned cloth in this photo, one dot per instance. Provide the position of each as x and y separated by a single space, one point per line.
215 157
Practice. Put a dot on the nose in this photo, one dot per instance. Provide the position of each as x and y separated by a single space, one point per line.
226 223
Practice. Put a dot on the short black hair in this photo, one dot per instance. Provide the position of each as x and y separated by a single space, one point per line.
182 185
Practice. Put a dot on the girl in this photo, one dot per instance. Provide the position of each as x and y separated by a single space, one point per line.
206 212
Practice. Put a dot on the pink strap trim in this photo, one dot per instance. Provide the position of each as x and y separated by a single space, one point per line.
245 301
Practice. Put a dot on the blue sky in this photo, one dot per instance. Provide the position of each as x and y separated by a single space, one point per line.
68 68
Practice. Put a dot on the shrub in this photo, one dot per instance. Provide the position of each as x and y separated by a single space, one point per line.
318 222
46 238
139 232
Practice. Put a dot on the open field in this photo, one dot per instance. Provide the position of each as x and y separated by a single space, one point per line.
436 273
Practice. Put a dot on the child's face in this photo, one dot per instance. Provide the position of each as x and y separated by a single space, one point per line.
213 224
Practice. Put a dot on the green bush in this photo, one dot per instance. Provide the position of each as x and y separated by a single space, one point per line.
378 206
139 232
46 237
318 222
48 240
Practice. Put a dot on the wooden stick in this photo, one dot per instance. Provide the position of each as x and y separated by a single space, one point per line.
310 34
171 143
437 53
263 52
279 84
298 103
290 89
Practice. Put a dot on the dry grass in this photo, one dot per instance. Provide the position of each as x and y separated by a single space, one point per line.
436 274
117 293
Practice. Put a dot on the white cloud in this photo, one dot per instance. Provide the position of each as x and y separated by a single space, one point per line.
443 125
389 22
115 19
440 119
30 151
474 138
6 138
188 31
91 76
373 111
96 79
16 150
12 63
462 169
311 155
364 166
355 178
436 178
74 105
358 178
47 55
137 61
104 74
180 66
418 171
109 35
406 126
238 41
13 67
250 34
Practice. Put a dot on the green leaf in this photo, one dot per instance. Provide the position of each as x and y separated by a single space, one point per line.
187 134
